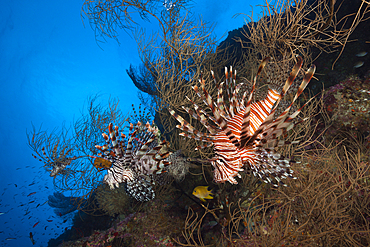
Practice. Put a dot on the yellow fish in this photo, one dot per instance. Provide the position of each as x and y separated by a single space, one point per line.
202 193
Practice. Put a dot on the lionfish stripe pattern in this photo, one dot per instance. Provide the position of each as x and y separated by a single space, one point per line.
245 133
136 163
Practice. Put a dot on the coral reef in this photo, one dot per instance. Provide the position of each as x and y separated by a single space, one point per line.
113 202
154 227
348 103
348 106
326 205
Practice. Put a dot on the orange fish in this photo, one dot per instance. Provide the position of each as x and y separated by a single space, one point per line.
101 163
36 223
30 194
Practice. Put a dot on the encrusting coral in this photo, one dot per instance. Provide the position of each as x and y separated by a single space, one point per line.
112 202
348 103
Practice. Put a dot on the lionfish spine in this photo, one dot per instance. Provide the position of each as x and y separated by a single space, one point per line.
113 134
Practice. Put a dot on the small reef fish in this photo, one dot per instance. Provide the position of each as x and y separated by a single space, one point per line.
202 193
36 224
1 213
212 223
32 240
358 64
10 239
361 54
30 194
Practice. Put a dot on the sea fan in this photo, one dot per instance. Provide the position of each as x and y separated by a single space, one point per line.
245 133
136 163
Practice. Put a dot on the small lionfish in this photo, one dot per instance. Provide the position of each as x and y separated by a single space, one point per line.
135 164
57 162
245 133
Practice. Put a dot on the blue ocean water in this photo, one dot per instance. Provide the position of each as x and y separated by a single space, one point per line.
50 64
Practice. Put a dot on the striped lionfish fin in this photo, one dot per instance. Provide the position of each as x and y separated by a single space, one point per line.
246 130
202 117
113 134
220 120
262 109
270 166
144 148
128 152
185 126
230 84
266 124
142 139
197 138
158 154
220 99
284 123
228 162
293 74
140 188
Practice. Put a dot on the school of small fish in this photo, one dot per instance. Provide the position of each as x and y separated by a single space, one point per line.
31 209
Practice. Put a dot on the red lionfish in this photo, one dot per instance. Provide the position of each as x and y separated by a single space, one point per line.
135 164
245 133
